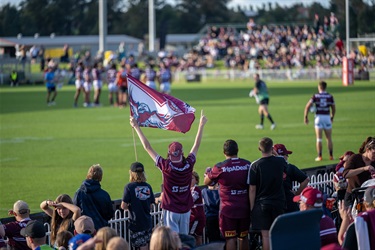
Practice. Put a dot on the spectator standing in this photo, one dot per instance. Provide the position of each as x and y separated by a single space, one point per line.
63 214
93 200
35 235
293 174
359 168
312 198
211 201
325 112
231 175
197 216
176 171
261 91
138 198
266 191
12 230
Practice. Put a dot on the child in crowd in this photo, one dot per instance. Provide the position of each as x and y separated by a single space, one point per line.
63 213
197 216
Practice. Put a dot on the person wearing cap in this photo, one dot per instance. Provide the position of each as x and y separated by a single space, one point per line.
339 182
293 174
78 240
94 201
11 230
138 198
266 190
35 235
84 225
359 168
176 170
312 198
231 174
325 112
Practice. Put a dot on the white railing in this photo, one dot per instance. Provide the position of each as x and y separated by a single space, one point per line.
120 221
267 74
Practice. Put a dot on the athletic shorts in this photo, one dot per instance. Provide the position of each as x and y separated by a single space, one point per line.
178 222
112 87
123 89
97 84
87 86
151 84
234 227
141 238
51 88
79 84
264 101
263 215
196 226
323 122
165 87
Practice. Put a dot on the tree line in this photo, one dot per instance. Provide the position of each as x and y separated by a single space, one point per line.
130 17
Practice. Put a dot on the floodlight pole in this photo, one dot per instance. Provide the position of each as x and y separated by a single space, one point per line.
102 25
151 26
347 28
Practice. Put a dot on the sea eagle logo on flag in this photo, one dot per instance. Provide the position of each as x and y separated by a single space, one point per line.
157 110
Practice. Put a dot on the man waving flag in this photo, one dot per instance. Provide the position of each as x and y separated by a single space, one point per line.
156 110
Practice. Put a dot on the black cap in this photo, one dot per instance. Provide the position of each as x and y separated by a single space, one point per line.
34 229
137 167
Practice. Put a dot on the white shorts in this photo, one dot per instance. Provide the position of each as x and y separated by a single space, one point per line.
87 86
179 223
112 87
323 122
97 84
79 84
151 84
165 87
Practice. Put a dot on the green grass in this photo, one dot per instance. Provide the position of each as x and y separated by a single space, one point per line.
46 151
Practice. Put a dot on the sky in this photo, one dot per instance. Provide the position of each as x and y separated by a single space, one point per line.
233 3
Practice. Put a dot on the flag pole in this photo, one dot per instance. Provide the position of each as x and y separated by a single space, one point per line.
135 148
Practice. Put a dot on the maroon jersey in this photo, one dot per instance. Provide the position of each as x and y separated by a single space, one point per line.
231 175
111 75
176 184
197 211
79 73
95 74
328 232
12 231
322 101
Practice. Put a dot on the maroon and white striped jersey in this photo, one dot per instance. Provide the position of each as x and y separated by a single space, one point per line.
323 102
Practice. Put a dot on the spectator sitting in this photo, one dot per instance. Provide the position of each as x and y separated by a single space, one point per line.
84 225
103 236
62 240
339 181
78 240
35 235
11 230
197 215
117 243
93 200
312 198
164 238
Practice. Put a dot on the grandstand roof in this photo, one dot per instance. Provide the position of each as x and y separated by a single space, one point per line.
182 38
71 40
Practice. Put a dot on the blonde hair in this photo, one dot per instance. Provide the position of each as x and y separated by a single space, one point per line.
163 238
117 243
95 173
137 176
104 234
59 224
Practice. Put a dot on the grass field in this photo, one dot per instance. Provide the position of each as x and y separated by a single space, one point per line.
46 151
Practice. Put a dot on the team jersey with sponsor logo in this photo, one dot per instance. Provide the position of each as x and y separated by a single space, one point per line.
111 75
231 175
322 101
165 75
176 183
140 197
95 74
12 232
79 73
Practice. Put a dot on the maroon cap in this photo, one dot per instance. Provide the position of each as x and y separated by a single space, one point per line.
281 149
311 196
346 153
175 151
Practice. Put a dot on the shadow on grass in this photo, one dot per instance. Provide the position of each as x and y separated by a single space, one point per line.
35 100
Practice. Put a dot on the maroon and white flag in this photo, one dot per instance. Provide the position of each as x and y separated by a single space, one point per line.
157 110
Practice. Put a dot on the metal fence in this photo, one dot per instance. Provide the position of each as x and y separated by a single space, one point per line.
120 222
